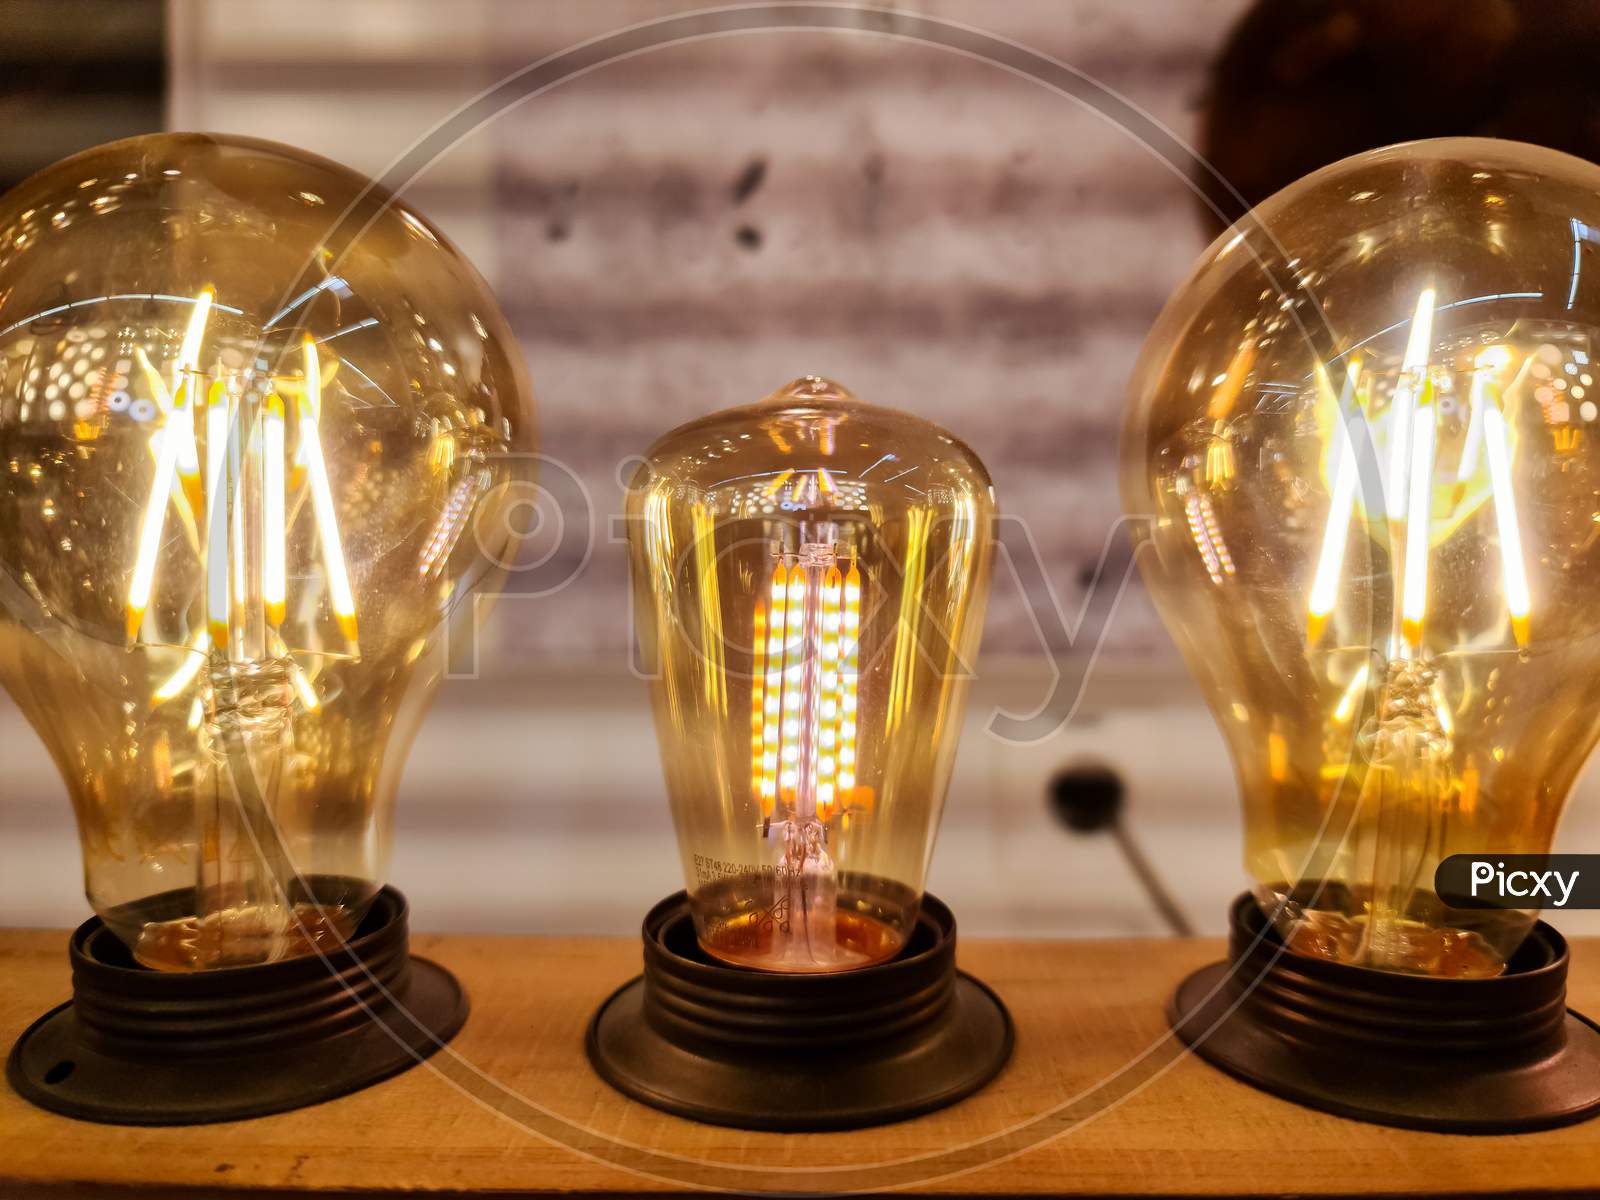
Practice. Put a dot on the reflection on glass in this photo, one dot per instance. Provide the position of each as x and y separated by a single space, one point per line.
810 575
1365 433
258 430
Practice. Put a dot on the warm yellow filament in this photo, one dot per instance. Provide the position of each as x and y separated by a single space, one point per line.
793 683
781 723
175 461
1489 360
1330 562
340 594
758 706
274 582
185 386
849 667
1497 446
1352 694
150 529
1419 521
828 695
218 415
184 675
1412 368
772 691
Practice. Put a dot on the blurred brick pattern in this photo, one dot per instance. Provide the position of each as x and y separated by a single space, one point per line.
688 229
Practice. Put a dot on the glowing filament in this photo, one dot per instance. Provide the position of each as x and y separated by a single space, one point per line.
1330 562
218 414
758 704
1498 448
339 591
803 691
175 461
1412 368
829 694
150 530
184 385
185 674
772 692
1347 702
274 581
793 683
1419 520
850 660
1208 537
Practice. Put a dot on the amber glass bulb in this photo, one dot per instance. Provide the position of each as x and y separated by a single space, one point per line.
1364 434
257 426
810 575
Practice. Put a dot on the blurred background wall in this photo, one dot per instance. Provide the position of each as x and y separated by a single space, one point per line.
691 228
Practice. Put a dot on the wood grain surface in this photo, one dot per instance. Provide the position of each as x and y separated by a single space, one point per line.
1097 1101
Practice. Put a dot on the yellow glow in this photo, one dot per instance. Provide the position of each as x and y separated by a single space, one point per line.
1330 562
1227 391
1441 708
274 582
828 715
1419 519
1493 358
1467 802
218 414
781 723
185 674
1518 602
1490 360
189 351
176 461
772 691
1346 707
185 385
144 568
302 686
1412 368
793 684
849 682
1277 757
340 594
758 706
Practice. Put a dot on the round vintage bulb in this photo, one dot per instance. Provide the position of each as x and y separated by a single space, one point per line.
1359 439
810 575
259 426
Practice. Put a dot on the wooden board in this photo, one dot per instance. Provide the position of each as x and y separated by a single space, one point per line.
1097 1101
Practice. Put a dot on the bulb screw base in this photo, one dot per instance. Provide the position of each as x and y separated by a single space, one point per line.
136 1046
797 1053
1501 1055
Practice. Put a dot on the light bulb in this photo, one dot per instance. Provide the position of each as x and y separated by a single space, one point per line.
259 425
1364 434
810 574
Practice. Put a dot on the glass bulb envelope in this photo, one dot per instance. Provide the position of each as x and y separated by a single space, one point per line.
1364 437
258 426
810 574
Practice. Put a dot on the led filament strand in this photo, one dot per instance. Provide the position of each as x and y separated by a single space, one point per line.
1412 432
804 688
246 471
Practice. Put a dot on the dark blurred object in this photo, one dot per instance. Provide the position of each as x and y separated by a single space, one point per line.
1088 798
1303 83
75 73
